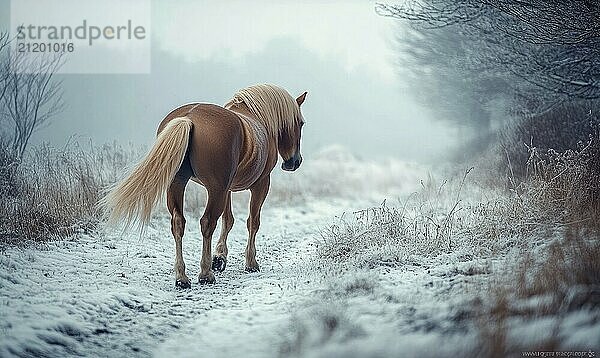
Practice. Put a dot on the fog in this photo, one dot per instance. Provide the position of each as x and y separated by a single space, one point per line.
341 52
447 204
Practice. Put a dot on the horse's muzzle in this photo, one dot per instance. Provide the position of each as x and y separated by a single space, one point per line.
293 163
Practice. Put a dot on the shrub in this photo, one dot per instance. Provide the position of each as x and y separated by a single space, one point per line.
566 185
561 128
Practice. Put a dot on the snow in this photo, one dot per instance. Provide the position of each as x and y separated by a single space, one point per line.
113 294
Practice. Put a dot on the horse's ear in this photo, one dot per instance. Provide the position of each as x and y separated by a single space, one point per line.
301 98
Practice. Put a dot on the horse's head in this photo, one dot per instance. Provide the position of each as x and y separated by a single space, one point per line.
289 141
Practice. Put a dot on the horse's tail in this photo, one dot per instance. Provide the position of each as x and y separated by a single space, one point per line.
134 197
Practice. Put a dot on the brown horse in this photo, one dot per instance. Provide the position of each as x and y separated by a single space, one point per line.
225 149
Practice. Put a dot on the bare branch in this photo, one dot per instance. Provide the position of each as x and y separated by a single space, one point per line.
32 95
552 44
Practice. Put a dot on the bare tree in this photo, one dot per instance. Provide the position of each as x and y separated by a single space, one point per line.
4 69
553 45
434 66
31 94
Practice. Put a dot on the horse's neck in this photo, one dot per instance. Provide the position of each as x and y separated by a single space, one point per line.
250 119
259 147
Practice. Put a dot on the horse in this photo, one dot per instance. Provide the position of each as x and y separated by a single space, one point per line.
223 148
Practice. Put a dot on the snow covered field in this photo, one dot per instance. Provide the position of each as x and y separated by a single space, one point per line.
113 295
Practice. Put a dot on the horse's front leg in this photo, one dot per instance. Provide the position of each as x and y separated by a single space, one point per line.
258 194
219 261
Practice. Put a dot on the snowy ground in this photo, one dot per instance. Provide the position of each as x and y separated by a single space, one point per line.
114 295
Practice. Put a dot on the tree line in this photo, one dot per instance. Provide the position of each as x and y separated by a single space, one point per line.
469 58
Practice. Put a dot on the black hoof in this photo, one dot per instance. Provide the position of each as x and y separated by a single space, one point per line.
252 269
219 263
210 279
182 284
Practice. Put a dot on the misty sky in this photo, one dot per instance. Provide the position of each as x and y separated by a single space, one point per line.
341 52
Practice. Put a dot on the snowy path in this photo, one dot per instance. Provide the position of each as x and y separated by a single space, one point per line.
115 296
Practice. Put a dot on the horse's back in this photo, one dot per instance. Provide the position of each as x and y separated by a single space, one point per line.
204 114
215 142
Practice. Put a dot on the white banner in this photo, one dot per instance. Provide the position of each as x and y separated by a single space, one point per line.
91 36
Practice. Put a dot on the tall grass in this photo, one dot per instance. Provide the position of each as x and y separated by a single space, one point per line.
53 193
558 178
423 224
455 216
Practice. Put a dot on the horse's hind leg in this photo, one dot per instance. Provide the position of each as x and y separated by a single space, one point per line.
175 206
219 261
214 209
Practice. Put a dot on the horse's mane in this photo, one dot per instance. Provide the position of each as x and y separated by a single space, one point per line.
272 105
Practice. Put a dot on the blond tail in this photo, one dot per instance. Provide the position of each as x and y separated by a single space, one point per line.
133 198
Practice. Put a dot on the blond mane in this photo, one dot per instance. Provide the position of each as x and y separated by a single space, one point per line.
272 105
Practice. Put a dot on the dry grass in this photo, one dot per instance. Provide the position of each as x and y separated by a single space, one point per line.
561 274
559 173
570 273
439 219
54 193
566 185
560 129
562 278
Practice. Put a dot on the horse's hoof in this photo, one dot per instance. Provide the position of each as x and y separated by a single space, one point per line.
207 280
219 263
252 269
183 284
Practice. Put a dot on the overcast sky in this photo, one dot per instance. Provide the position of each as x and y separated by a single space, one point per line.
341 52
